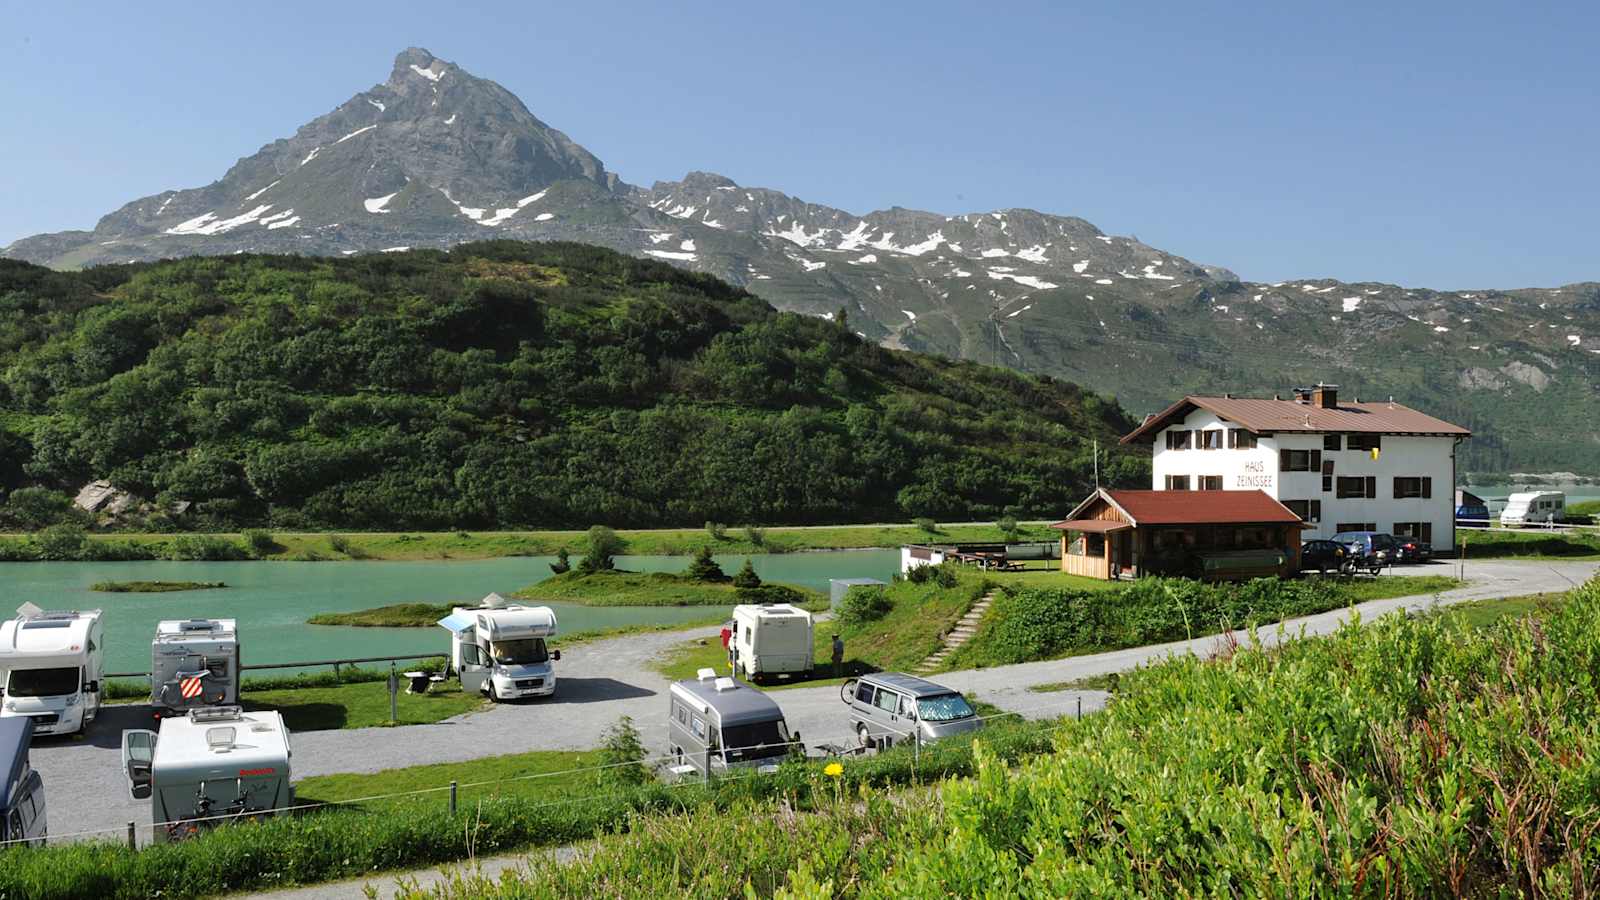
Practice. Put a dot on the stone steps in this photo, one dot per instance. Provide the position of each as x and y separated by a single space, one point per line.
963 631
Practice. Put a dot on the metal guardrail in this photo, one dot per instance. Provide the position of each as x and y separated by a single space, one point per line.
336 663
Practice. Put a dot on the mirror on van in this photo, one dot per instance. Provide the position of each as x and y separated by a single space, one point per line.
92 687
138 754
555 655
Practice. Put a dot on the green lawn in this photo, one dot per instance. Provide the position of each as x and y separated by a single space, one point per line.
661 541
620 588
361 705
910 631
1482 613
1106 682
1518 543
437 777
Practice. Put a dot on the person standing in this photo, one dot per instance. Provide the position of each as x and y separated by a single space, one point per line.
838 656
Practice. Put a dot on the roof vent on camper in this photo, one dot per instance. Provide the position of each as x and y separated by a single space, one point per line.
28 610
706 674
220 740
215 713
725 684
198 625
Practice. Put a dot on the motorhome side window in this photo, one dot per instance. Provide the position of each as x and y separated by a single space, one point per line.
683 714
699 727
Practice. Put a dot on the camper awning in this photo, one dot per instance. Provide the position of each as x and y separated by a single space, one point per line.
459 621
1093 526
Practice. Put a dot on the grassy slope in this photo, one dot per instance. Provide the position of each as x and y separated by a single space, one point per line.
1483 613
513 770
1508 542
978 652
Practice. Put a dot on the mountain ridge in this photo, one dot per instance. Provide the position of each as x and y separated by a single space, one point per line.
435 156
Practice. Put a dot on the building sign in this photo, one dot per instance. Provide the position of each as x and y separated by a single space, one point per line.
1255 475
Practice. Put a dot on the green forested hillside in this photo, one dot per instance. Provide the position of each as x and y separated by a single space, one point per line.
510 384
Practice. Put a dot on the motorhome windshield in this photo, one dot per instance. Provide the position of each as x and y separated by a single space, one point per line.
943 708
42 682
527 651
755 740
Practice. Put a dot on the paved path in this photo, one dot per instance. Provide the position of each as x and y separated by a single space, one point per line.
603 680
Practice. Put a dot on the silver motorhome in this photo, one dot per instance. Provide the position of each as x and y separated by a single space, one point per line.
194 663
717 724
498 649
212 766
890 707
22 816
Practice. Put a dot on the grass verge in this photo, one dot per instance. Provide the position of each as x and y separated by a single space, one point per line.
1483 613
1513 543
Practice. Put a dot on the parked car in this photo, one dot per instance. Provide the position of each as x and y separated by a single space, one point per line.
1414 550
1370 550
1323 556
1475 514
888 707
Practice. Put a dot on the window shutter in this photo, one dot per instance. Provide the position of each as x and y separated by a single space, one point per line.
1427 487
1372 487
1397 491
1316 460
1283 460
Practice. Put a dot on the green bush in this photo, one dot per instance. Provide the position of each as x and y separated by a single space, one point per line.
746 577
622 755
769 594
926 525
602 546
717 531
704 568
37 507
563 563
1008 527
863 603
756 536
59 542
206 547
261 542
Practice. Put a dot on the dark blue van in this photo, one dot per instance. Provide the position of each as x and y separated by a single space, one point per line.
1473 514
22 793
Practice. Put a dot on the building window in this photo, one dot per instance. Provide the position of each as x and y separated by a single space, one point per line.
1210 482
1331 442
1357 488
1327 484
1307 510
1407 488
1343 527
1212 439
1240 439
1178 440
1094 545
1365 442
1177 482
1417 530
1299 460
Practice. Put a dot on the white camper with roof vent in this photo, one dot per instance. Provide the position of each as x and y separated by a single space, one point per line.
51 666
1534 508
194 663
498 648
769 641
213 766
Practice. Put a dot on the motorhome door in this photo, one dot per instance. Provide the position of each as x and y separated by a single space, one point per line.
138 754
474 663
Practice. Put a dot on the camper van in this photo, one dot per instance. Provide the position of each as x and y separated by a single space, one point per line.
52 664
769 641
22 793
499 649
194 663
717 724
888 708
1534 508
217 764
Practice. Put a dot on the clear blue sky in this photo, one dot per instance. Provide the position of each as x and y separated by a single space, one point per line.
1448 145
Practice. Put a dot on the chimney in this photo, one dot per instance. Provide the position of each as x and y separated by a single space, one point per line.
1325 396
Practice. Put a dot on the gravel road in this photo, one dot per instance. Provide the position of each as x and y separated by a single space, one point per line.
603 680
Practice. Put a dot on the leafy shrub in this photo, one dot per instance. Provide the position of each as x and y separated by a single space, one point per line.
926 525
919 574
622 755
717 531
770 593
63 541
1008 527
746 577
343 544
261 542
37 507
704 568
863 603
603 545
563 563
755 535
206 547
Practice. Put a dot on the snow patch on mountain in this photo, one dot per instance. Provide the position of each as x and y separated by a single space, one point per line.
1024 280
208 223
427 73
668 254
354 133
377 204
246 200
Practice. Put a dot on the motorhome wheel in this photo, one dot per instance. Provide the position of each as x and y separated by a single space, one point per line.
494 695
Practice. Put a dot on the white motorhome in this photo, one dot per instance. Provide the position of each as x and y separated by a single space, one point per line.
498 648
52 664
215 765
769 641
194 663
1534 508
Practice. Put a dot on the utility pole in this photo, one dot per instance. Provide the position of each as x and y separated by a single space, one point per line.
1097 464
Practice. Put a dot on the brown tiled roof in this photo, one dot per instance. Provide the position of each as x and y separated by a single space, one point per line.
1266 416
1189 508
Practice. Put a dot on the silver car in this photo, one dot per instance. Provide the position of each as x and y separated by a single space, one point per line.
890 707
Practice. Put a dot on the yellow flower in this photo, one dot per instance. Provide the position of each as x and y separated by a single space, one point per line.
833 770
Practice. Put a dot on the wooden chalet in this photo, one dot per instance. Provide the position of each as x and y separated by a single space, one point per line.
1215 535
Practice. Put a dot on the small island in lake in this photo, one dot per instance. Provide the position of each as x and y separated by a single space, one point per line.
154 587
398 615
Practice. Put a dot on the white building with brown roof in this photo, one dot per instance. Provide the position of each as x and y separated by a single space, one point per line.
1340 466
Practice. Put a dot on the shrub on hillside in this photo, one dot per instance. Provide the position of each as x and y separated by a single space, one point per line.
261 542
863 603
717 531
704 568
602 546
746 577
207 547
61 542
926 525
622 755
563 563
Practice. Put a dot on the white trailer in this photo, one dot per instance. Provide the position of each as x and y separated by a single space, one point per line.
773 640
1534 508
52 664
498 648
213 766
194 663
